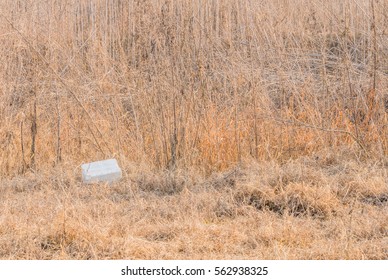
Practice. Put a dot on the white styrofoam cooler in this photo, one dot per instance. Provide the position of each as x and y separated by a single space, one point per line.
101 171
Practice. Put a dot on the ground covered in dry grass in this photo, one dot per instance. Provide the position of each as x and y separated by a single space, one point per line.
327 206
245 129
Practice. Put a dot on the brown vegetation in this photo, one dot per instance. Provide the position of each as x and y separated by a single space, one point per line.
245 129
324 207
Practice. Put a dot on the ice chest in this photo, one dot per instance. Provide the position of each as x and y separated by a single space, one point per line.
101 171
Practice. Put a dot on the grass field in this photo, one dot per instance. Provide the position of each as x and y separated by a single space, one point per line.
245 129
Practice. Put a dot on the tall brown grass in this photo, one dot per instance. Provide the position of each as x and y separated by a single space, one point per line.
245 129
202 84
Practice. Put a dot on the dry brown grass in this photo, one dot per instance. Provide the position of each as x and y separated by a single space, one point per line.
312 208
246 129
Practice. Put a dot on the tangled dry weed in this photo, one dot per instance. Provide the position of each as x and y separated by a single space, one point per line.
245 129
301 209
